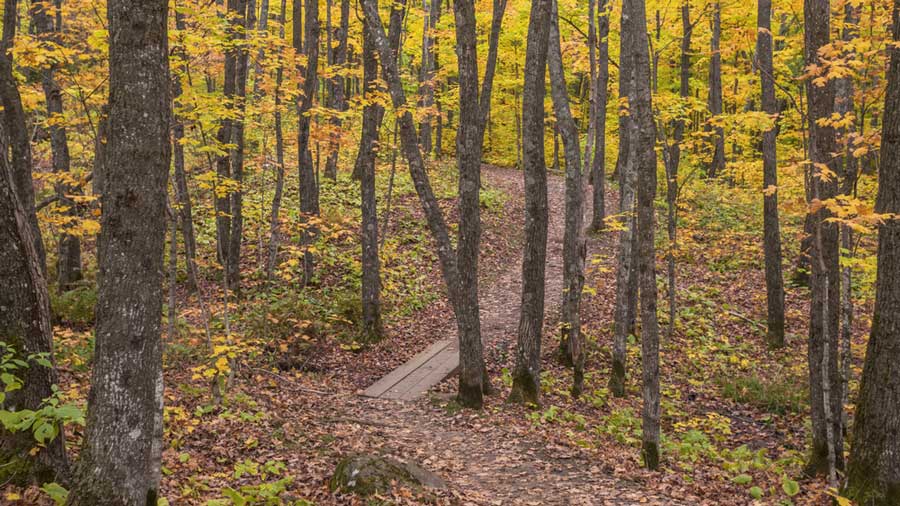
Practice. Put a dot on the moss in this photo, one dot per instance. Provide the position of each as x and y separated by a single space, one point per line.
617 379
650 453
525 389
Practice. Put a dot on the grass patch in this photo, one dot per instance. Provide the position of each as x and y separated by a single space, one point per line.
778 396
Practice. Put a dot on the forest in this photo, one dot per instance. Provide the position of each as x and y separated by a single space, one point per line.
473 252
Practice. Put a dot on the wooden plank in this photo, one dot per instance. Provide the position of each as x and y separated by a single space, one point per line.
447 367
423 372
397 375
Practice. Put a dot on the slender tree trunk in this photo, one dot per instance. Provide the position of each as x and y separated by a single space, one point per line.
68 263
598 165
873 472
24 299
825 303
715 94
336 87
844 106
372 329
771 228
182 194
574 246
275 222
120 459
247 10
309 188
527 375
626 271
634 20
225 135
426 71
673 160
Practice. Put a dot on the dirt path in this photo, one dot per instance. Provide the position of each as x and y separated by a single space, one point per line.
484 463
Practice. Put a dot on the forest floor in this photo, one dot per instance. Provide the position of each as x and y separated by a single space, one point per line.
734 414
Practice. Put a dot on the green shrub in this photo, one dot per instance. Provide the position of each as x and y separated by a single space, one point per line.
74 307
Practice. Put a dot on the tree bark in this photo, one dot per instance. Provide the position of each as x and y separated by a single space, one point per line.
247 12
598 165
309 184
372 329
626 270
574 246
527 374
717 165
825 304
336 87
18 141
68 263
120 460
771 227
275 222
873 472
182 194
24 300
634 20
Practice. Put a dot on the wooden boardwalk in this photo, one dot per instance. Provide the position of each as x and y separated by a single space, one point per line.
419 374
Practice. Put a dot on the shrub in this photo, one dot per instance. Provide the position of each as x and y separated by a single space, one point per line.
74 307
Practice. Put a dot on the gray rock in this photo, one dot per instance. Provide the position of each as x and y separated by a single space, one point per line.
367 474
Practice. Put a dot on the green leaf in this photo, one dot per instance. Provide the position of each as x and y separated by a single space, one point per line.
56 492
742 479
790 487
756 492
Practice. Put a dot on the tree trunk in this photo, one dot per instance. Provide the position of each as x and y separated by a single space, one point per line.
372 329
771 228
247 10
825 303
336 87
527 375
626 272
715 94
426 72
224 136
24 299
574 246
18 141
68 263
873 472
634 20
275 222
182 194
309 185
598 165
844 105
120 459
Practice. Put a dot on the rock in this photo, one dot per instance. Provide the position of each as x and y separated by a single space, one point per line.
367 474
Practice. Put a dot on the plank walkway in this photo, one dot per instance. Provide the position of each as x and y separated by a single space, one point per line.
425 370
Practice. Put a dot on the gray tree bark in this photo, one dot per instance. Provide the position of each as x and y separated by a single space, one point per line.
275 220
337 86
119 463
873 471
309 184
574 246
626 270
527 374
771 227
824 377
24 299
634 21
601 97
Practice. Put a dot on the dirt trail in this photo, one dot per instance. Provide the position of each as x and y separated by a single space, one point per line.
482 462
